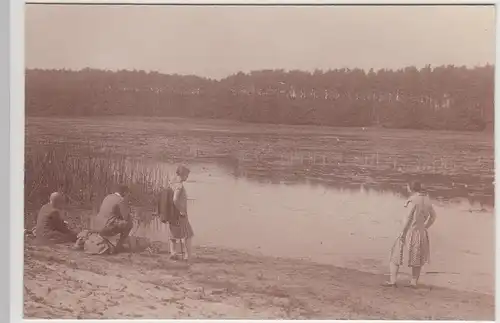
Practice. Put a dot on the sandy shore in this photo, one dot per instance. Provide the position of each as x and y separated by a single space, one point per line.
61 283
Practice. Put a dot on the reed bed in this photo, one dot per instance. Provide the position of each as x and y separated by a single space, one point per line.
86 176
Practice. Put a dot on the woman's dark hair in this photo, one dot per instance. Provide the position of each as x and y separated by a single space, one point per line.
416 186
181 169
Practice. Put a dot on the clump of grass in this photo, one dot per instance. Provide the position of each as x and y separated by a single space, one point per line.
86 176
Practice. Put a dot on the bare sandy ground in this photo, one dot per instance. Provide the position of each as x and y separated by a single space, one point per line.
61 283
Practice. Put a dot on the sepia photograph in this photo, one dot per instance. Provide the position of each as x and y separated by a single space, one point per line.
284 161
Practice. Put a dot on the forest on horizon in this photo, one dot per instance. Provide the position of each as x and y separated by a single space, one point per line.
440 98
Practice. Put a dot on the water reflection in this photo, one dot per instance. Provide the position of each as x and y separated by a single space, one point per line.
478 192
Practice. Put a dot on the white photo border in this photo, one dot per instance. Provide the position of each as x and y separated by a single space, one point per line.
5 145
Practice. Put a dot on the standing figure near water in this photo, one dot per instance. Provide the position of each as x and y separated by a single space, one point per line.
414 235
181 229
50 227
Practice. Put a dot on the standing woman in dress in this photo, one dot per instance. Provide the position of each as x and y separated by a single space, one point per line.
181 229
414 235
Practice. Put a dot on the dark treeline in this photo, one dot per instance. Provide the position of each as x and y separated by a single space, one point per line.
446 97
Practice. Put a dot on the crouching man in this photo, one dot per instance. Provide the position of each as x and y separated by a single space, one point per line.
114 217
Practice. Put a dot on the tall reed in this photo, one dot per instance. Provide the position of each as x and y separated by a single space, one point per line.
86 176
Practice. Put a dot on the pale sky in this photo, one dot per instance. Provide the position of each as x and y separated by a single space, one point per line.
217 41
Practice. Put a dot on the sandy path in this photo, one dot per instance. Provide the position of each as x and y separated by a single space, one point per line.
60 283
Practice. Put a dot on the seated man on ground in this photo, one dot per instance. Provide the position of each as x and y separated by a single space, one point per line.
50 227
114 217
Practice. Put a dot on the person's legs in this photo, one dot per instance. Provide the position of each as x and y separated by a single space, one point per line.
111 230
57 237
175 236
118 227
187 232
182 243
71 236
173 248
188 245
415 275
394 270
125 229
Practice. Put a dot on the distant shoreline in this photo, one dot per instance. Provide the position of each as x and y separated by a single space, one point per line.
265 126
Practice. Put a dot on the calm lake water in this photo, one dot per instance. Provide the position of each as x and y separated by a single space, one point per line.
352 228
452 165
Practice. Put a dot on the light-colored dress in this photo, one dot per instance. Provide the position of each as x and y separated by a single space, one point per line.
183 230
417 238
